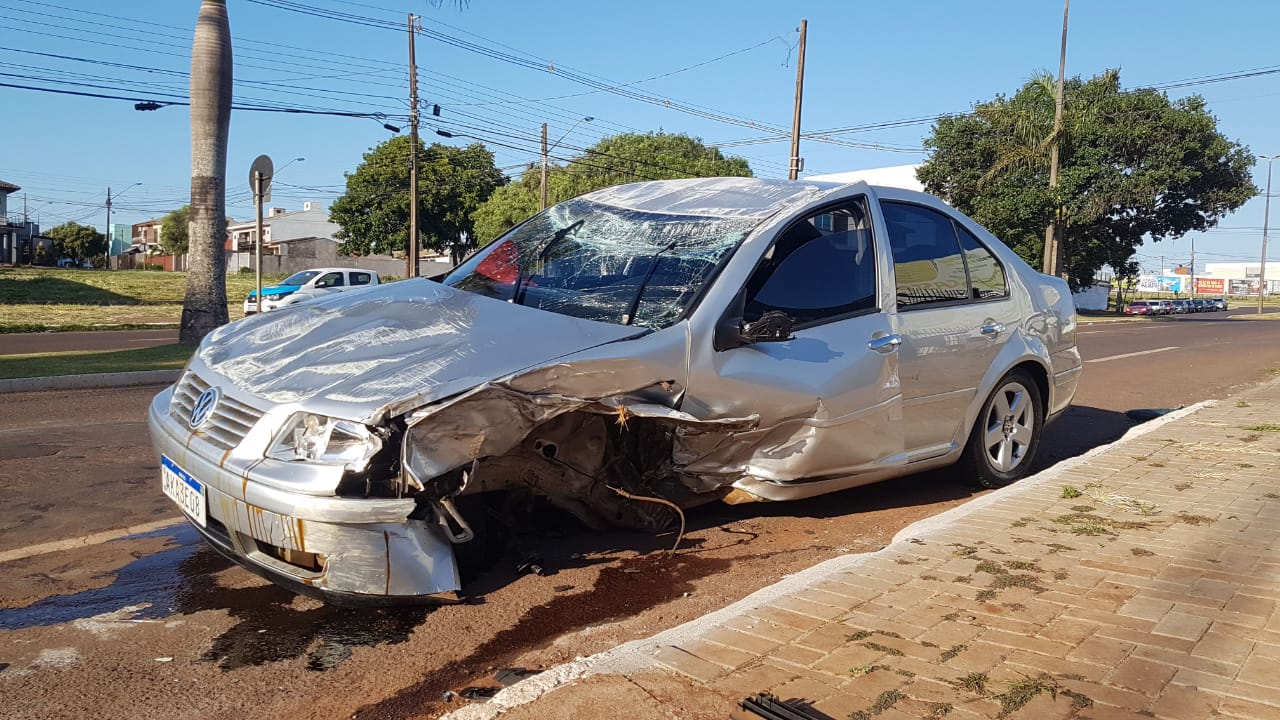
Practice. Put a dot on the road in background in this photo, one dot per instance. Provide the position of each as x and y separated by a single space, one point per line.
159 611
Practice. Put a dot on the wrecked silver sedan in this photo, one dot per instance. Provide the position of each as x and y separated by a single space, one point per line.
620 356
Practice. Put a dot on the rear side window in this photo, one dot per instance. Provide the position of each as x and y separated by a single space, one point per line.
937 260
360 278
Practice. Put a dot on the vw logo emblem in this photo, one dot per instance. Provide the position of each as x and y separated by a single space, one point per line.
203 408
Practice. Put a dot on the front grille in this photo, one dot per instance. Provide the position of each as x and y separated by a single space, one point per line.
231 419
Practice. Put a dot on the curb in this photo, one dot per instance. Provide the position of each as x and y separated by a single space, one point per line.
85 382
634 654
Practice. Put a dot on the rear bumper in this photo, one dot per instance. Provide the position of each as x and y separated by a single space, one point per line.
357 551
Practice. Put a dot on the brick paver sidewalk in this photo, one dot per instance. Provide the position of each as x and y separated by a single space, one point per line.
1140 582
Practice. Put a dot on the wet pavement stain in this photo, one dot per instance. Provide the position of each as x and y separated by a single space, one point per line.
622 590
179 580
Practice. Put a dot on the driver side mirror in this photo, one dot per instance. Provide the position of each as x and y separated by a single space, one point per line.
321 284
731 332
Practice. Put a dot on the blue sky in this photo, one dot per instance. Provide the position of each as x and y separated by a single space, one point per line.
866 63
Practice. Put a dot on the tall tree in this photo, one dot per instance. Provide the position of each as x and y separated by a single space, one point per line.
205 305
173 231
614 160
76 241
1134 166
374 211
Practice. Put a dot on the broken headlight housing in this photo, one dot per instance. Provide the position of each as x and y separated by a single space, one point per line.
308 437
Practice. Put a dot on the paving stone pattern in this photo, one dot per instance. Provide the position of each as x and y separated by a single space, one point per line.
1148 589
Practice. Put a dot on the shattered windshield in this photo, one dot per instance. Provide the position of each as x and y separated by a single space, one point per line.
604 263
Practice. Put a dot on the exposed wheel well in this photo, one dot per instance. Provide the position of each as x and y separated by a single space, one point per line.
1038 373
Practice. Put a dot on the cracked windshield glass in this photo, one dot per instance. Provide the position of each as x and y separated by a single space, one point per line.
604 263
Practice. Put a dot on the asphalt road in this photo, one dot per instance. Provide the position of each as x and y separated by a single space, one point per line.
154 625
25 343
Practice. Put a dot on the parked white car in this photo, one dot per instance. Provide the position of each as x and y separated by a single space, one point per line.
308 284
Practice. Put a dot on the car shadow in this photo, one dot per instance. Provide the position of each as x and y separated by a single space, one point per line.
59 291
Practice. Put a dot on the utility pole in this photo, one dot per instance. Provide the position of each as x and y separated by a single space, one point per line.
796 162
1193 267
108 265
543 204
1266 219
411 256
1052 241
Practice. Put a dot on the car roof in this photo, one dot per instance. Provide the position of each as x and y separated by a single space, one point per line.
725 197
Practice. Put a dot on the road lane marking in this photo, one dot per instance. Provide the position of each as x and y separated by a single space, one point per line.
85 540
1133 354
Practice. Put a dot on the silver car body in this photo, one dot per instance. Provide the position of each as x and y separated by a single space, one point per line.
479 386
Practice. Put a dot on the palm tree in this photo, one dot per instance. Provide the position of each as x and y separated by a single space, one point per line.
205 306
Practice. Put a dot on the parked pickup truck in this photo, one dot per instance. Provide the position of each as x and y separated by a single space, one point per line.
308 284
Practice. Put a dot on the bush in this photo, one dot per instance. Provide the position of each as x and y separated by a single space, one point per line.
152 266
248 270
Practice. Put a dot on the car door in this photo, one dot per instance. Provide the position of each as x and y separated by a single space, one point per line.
955 313
330 282
358 278
827 397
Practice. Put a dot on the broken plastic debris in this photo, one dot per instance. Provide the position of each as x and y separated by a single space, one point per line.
511 676
1145 414
478 693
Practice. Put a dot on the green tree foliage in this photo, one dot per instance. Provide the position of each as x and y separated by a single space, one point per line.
73 240
173 231
452 183
612 161
1134 165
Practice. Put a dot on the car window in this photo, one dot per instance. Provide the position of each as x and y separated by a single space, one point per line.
300 278
818 268
927 260
986 274
360 278
333 279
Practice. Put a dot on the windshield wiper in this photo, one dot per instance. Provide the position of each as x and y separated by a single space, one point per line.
654 259
517 297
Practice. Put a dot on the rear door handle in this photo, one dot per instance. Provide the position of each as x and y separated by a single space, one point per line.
994 328
885 343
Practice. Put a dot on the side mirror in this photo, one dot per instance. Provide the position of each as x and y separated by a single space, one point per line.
321 284
731 332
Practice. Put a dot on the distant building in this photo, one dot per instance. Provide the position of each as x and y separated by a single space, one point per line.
897 176
120 237
280 225
146 236
20 240
1238 278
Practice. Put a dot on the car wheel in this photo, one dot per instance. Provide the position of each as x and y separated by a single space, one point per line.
1003 443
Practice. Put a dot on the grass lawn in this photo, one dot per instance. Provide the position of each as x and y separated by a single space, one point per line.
162 357
41 299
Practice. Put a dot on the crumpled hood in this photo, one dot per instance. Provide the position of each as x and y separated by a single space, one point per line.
391 348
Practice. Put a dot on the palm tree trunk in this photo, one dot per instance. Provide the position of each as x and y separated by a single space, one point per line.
205 306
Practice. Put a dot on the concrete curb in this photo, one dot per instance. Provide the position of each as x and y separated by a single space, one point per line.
84 382
635 654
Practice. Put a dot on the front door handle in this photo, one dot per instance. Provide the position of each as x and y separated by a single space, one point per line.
994 328
885 343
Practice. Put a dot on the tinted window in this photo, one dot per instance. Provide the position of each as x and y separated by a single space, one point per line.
360 278
927 260
986 275
333 279
821 267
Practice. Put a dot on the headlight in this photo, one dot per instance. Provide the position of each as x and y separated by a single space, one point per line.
325 441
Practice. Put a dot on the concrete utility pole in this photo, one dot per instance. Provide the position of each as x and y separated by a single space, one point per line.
1266 218
796 162
109 198
1193 267
411 254
1052 241
543 204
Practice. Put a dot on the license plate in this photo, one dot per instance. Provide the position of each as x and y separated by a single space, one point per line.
183 489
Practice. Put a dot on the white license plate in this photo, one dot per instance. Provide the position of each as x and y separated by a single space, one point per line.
183 489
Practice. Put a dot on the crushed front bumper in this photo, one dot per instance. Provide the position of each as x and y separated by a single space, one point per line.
343 550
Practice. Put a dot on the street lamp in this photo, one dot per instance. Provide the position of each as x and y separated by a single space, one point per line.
109 199
547 150
1266 218
282 167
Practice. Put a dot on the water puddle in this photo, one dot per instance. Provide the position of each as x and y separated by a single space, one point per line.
272 623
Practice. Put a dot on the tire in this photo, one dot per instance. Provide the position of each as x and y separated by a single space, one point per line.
1005 436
